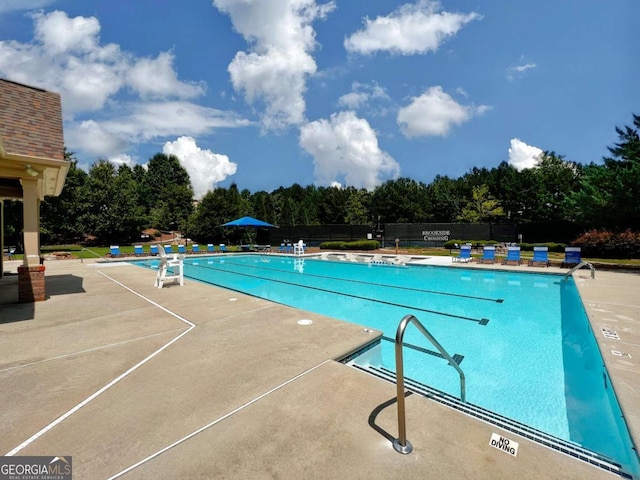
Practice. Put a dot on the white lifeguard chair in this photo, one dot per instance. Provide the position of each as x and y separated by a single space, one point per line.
298 248
169 268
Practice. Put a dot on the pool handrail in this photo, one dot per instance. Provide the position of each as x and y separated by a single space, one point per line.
401 444
578 267
88 250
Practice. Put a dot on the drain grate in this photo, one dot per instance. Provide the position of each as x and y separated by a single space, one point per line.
487 416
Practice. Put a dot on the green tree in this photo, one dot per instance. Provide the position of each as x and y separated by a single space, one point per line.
482 207
331 205
169 192
219 206
555 179
60 216
446 199
608 194
113 212
358 208
400 201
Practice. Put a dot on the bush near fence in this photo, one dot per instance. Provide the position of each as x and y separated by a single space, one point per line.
357 245
606 244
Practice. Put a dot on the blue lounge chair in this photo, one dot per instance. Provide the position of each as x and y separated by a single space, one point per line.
281 249
137 250
168 249
513 256
182 249
195 248
572 256
488 254
211 248
464 256
540 257
115 251
223 248
153 250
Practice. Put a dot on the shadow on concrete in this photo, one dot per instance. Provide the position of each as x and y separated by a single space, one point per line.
13 311
63 285
376 411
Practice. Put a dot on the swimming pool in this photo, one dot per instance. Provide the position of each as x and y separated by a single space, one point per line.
523 338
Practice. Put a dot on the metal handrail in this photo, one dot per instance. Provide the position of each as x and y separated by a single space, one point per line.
82 258
401 444
578 267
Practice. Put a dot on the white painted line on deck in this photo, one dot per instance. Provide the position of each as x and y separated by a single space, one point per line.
87 400
117 344
202 429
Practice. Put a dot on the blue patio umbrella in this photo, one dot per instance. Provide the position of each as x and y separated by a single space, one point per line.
247 222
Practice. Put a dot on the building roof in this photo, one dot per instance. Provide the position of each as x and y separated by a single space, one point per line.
31 136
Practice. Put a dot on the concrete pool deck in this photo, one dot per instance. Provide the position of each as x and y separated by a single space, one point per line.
203 382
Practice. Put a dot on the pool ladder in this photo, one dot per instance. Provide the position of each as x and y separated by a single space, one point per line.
578 267
401 444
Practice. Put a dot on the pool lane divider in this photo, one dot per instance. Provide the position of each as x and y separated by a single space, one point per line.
93 396
364 282
479 321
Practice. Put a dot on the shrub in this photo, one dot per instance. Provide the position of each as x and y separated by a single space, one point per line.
357 245
451 244
606 244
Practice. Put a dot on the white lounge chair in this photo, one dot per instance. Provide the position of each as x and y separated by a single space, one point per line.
170 268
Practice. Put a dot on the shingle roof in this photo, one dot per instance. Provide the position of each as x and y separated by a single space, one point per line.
30 121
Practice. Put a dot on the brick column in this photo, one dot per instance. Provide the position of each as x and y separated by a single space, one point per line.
31 283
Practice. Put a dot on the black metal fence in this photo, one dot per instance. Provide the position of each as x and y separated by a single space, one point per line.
314 235
414 234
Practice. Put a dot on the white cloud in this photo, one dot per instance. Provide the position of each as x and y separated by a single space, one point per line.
160 119
146 121
205 168
346 147
434 113
94 139
518 70
361 94
411 29
275 69
523 156
58 33
66 56
122 159
157 78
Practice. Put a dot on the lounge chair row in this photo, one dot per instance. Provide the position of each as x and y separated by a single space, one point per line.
138 250
298 248
540 256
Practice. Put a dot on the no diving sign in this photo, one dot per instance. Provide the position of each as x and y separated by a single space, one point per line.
504 444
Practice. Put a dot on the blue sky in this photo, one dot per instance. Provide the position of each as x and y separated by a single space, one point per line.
267 93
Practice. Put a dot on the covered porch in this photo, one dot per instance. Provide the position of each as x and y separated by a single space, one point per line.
32 166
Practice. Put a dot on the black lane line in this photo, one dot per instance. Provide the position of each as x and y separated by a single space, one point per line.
364 282
457 357
480 321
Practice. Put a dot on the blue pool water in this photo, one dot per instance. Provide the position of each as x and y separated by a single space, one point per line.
529 353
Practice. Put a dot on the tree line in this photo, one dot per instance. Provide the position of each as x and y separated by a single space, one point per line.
114 204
